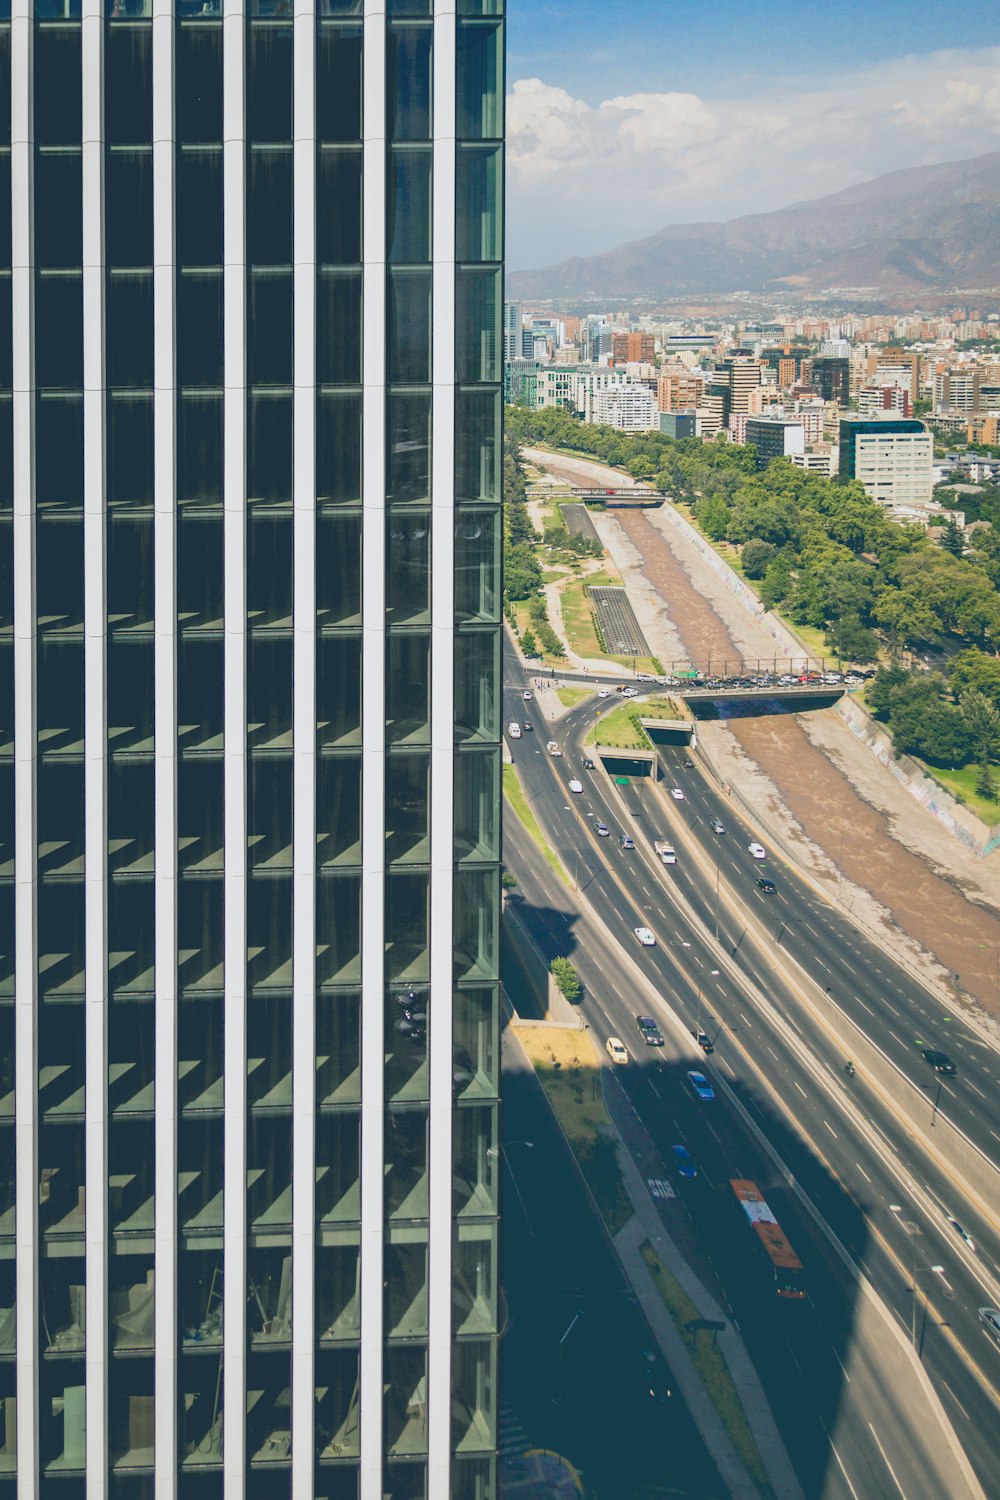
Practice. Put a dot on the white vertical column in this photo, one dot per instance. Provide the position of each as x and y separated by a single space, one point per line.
165 762
95 748
442 757
25 765
373 763
235 723
304 759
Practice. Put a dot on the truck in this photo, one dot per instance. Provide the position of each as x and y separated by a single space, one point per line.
665 851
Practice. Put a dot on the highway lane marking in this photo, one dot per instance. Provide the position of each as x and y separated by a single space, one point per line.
863 1173
886 1461
840 1461
747 1023
972 1086
831 1130
865 1007
899 1039
800 1088
728 1065
958 1403
772 1052
843 1367
892 1008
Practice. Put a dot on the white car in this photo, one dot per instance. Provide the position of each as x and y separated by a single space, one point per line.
514 730
576 786
602 830
604 692
616 1050
677 794
553 748
757 851
526 695
645 937
630 693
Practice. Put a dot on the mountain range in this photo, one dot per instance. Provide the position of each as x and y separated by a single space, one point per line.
921 229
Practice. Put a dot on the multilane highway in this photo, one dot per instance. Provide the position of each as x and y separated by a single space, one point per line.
864 1173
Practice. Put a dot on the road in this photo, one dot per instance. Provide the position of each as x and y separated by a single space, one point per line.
604 1401
853 1163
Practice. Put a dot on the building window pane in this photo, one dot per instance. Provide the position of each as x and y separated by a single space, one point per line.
478 334
408 439
480 80
338 569
338 83
409 326
408 206
338 207
338 446
338 327
408 85
408 575
480 193
198 87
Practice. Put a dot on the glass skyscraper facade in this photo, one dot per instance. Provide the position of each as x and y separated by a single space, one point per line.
250 488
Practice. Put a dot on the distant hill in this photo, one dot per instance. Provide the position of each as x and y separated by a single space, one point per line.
923 229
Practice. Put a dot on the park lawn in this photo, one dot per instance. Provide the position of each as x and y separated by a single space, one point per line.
569 697
713 1372
523 622
514 792
962 786
567 1066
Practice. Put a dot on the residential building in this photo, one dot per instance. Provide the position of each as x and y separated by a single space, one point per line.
892 458
679 392
956 389
820 460
740 376
633 348
711 413
630 408
895 366
774 437
249 1146
787 371
873 400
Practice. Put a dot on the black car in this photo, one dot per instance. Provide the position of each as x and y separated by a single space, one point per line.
528 725
767 886
588 765
649 1030
704 1040
939 1061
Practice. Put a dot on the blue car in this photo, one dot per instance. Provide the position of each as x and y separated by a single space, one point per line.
701 1085
684 1163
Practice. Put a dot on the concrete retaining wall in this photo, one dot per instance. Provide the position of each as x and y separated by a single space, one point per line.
550 999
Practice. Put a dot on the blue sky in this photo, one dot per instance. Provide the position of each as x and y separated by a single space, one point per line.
626 115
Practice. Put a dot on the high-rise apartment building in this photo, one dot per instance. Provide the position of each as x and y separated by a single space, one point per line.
250 470
513 330
679 392
831 376
633 348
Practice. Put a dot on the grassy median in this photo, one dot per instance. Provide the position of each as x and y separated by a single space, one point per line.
620 727
514 792
567 1066
713 1372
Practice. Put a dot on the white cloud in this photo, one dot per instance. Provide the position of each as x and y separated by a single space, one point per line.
584 177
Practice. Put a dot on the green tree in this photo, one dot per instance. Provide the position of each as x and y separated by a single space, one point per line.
756 556
976 671
884 686
982 718
906 617
934 730
712 514
953 539
777 582
528 643
850 640
567 979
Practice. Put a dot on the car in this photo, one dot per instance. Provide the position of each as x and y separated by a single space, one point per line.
756 851
767 886
684 1163
602 830
939 1061
514 730
616 1050
688 765
961 1231
624 842
631 693
576 786
649 1031
528 727
700 1084
604 692
677 794
990 1319
553 748
588 764
704 1040
645 937
717 825
527 695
